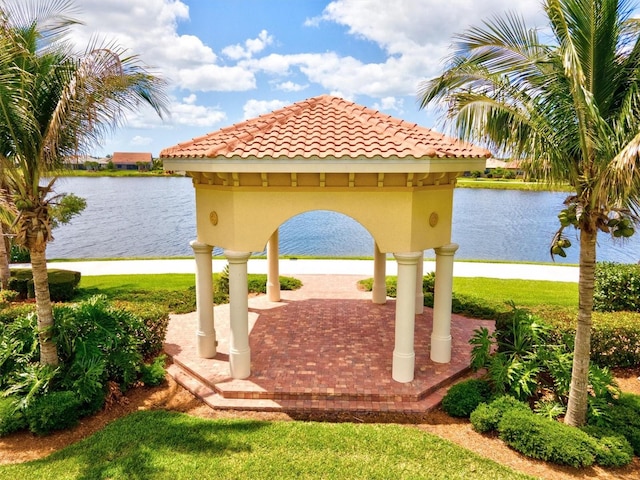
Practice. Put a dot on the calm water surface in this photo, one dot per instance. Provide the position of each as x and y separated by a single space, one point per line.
145 217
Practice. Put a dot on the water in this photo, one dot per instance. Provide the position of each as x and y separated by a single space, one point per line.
145 217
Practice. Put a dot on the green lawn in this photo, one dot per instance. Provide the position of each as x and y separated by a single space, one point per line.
523 293
502 184
168 445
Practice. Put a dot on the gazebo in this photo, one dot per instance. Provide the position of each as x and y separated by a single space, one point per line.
395 178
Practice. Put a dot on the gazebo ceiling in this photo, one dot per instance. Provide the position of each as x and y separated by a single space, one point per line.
327 131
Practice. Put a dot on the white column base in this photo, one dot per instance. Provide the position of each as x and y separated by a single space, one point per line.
240 363
403 367
206 344
441 349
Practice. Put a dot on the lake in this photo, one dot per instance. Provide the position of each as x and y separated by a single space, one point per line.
155 216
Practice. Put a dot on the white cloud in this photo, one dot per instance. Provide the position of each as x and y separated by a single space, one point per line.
139 140
208 78
390 103
290 86
146 27
254 108
196 115
250 48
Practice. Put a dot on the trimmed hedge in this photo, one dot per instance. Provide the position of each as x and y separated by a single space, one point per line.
464 397
62 283
487 416
624 418
613 449
615 336
539 437
617 287
11 417
53 411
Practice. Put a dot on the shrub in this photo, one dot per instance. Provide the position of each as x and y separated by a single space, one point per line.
624 418
487 416
615 336
6 297
153 321
539 437
617 287
464 397
153 374
19 254
53 411
613 448
62 283
11 418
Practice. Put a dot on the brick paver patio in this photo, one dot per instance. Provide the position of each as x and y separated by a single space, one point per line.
324 347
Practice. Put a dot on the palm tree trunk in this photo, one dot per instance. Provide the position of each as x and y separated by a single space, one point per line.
5 273
48 350
577 407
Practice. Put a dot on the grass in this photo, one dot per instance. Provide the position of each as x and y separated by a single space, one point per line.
168 445
502 184
523 293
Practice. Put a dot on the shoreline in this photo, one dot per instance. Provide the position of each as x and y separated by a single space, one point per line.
296 266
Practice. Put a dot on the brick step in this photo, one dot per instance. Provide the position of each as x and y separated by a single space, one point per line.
235 389
299 406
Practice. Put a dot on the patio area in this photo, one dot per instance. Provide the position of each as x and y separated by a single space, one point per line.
324 347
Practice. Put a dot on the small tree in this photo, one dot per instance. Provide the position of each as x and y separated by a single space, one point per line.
569 110
55 102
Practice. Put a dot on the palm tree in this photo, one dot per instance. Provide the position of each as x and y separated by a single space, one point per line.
55 102
569 109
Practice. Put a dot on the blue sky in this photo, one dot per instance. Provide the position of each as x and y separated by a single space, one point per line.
229 60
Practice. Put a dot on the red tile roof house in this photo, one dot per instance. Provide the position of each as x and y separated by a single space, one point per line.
132 160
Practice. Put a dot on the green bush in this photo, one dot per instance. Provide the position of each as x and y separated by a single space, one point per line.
19 254
53 411
624 418
152 326
613 448
548 440
6 297
11 418
62 283
615 336
464 397
487 416
153 374
617 287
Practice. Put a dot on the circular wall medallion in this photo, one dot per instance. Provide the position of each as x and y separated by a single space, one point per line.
213 218
433 219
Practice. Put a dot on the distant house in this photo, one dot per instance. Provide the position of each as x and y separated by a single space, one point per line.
132 160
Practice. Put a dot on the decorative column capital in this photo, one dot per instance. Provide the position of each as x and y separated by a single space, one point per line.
237 257
447 250
408 258
199 247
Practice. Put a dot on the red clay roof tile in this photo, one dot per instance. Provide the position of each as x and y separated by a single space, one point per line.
324 127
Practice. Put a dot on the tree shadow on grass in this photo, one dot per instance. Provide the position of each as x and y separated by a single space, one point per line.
138 446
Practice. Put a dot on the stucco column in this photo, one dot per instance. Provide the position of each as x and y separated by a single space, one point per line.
206 334
239 352
379 290
273 268
419 292
403 353
441 336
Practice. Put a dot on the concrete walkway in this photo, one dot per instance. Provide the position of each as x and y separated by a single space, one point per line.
559 273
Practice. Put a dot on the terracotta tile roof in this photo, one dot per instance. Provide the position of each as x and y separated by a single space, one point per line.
131 157
324 127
